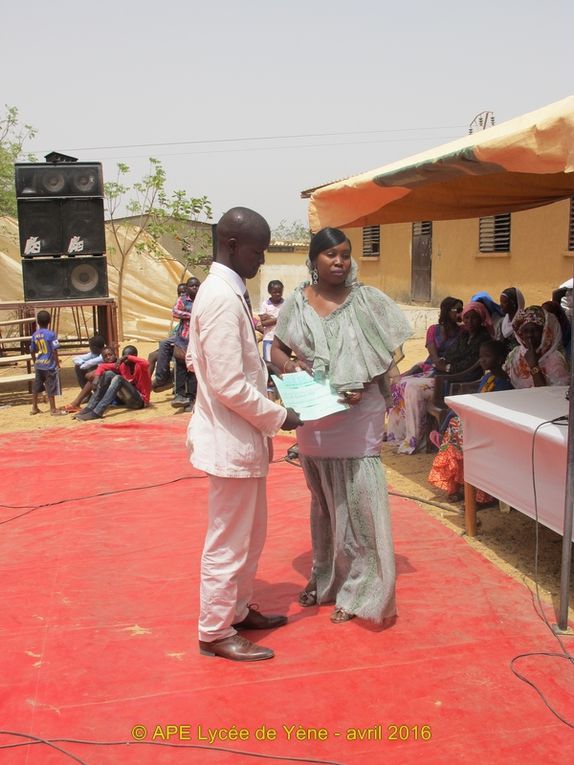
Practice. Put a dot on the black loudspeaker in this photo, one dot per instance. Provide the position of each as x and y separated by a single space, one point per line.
53 227
65 278
62 179
83 229
40 227
60 208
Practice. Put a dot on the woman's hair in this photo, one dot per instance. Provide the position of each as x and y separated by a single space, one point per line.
274 283
510 293
325 238
497 348
445 308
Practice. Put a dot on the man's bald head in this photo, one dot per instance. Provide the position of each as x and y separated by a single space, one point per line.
239 222
242 238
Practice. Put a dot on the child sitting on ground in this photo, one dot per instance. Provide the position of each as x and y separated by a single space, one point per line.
44 350
447 471
89 361
127 380
107 357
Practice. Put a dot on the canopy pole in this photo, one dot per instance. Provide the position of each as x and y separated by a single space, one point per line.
568 506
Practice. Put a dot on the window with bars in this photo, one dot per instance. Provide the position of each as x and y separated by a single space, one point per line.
422 228
371 241
494 233
571 225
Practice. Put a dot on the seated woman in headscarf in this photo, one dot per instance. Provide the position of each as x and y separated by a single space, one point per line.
511 301
494 310
554 307
538 359
439 339
410 430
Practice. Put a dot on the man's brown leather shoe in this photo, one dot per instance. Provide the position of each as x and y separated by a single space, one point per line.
256 621
235 648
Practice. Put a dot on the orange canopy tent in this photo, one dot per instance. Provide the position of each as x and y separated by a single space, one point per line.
523 163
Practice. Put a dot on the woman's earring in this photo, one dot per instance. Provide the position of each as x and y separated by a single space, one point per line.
314 276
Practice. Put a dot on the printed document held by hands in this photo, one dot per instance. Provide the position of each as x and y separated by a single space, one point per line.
311 398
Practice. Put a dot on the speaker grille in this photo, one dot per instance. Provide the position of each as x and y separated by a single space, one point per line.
65 278
77 179
39 227
83 229
61 226
84 277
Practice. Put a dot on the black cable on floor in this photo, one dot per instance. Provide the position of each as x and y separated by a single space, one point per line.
168 744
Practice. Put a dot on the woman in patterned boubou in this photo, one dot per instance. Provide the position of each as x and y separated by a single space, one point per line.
538 360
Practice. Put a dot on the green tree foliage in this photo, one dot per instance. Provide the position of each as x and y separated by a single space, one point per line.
158 215
12 139
292 232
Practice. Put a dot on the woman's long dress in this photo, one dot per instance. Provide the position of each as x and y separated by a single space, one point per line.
353 557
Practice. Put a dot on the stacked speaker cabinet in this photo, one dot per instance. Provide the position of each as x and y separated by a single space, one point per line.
62 233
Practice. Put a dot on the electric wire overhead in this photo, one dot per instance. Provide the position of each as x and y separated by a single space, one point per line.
240 139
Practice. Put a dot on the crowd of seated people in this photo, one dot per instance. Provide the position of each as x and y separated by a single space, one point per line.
127 382
536 359
412 393
453 346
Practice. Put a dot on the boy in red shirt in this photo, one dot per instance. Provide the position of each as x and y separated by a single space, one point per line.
128 381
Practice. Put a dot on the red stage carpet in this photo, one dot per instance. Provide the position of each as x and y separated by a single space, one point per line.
99 614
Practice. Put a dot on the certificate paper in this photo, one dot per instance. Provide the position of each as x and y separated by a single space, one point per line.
312 399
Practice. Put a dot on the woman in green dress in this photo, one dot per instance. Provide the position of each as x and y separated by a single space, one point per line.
347 332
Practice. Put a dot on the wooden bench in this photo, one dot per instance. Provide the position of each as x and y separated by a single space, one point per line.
23 374
13 379
7 360
14 339
10 322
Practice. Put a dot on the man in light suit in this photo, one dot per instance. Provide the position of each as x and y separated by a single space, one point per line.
229 437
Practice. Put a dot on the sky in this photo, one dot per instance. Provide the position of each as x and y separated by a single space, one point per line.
251 102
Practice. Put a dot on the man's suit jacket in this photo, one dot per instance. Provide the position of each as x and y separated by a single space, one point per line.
228 431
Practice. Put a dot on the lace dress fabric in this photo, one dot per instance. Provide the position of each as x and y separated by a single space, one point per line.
354 347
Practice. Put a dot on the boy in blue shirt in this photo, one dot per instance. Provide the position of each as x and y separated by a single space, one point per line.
87 362
44 350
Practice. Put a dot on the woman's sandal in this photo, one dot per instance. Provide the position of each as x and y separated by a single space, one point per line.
308 598
339 616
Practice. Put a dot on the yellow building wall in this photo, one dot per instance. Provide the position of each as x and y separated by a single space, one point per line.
391 272
537 263
288 267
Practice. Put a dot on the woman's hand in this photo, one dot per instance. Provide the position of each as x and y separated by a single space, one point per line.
440 365
351 397
291 366
531 356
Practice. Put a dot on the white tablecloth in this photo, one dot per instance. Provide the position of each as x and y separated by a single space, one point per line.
498 431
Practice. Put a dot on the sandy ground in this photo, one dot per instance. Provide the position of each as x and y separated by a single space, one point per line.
507 539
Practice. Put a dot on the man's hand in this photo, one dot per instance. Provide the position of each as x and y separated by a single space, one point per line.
292 420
